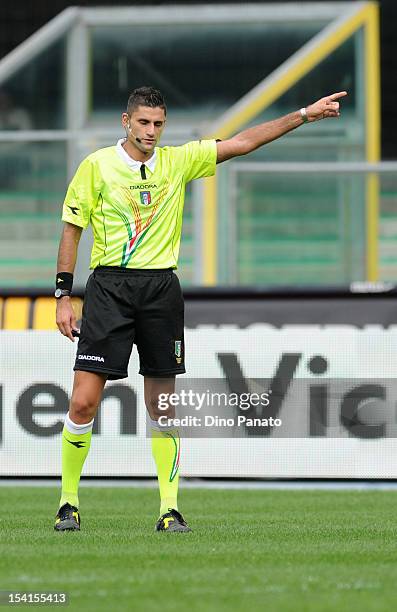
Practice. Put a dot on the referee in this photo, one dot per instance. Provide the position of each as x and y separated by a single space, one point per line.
132 194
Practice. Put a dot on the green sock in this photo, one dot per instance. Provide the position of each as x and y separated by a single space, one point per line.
166 452
75 449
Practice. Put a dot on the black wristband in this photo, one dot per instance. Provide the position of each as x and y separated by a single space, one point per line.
64 280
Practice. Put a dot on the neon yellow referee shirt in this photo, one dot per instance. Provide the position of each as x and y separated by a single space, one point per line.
136 222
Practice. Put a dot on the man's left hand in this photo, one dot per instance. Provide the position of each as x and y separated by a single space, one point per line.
325 107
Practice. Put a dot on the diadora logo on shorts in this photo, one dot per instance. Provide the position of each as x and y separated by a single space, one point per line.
91 358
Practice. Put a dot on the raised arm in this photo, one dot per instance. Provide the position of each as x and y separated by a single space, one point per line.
259 135
67 255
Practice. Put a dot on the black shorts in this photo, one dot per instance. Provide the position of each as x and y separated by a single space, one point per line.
123 307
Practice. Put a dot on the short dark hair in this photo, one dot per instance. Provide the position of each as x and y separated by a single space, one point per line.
145 96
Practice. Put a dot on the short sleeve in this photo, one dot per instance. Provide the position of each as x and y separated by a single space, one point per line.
199 159
82 195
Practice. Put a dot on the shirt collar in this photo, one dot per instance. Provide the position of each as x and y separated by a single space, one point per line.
132 163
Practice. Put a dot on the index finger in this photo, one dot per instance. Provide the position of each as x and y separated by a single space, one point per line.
68 330
64 330
336 96
69 333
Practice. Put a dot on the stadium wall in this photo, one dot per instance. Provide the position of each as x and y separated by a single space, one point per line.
328 358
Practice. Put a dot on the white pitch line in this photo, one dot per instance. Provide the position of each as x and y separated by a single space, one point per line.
198 483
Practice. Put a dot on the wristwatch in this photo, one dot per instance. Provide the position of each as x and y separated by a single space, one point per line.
61 293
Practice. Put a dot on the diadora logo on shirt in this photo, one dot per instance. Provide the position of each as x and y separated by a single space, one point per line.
144 186
74 209
91 358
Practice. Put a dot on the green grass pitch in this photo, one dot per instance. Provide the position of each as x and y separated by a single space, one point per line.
251 550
